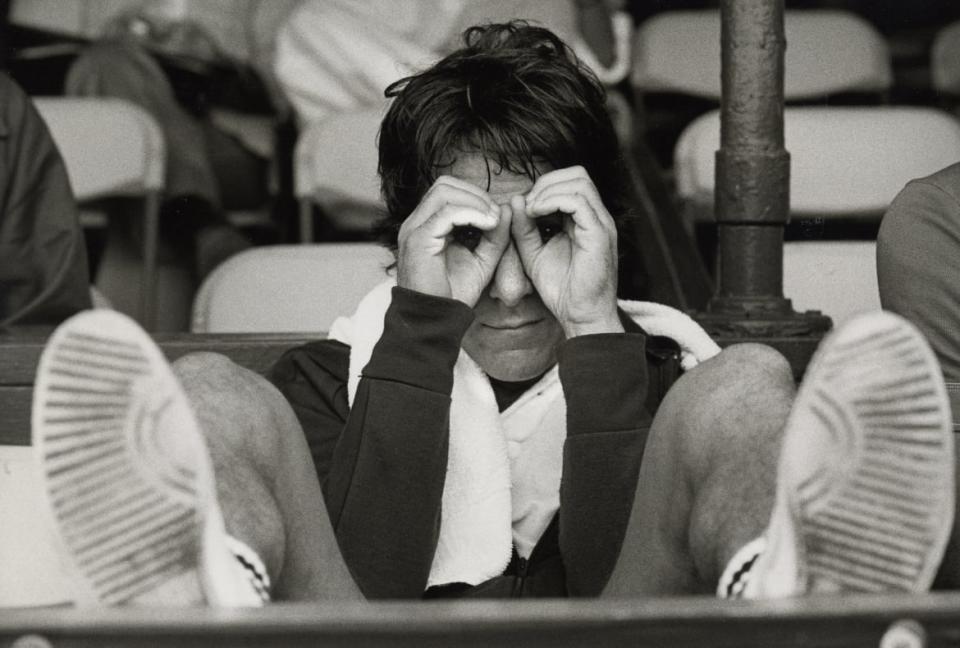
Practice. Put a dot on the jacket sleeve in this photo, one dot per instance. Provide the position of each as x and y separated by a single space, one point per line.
382 464
604 379
918 262
43 259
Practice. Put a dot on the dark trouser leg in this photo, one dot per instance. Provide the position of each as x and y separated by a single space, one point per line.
124 70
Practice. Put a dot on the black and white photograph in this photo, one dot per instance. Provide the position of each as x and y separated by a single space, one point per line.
479 323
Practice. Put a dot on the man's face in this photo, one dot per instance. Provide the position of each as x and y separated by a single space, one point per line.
513 336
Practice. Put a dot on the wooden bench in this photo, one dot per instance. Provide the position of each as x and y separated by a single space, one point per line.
827 622
20 353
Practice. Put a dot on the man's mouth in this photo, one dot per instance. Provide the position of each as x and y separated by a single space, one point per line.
513 325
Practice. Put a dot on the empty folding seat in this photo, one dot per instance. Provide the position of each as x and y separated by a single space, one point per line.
288 288
335 167
844 161
113 148
676 65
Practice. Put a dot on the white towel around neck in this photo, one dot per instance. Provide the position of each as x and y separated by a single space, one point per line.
502 484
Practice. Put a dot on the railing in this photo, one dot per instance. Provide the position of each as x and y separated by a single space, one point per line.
826 621
20 352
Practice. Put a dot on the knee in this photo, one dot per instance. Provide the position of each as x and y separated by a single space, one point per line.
238 409
111 61
222 385
207 367
752 357
743 393
741 369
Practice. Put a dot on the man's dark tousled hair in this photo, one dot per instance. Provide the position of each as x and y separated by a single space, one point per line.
515 94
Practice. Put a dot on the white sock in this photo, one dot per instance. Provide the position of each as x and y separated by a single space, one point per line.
736 575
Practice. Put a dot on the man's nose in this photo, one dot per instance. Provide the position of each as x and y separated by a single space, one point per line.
510 283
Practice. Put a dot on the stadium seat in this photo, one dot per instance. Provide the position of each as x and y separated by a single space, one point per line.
676 66
846 164
113 148
335 167
844 161
828 52
945 63
838 278
288 288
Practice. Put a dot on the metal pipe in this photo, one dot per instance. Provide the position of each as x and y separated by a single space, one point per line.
753 190
753 167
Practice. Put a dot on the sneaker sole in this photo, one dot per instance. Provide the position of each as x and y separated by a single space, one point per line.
868 459
125 492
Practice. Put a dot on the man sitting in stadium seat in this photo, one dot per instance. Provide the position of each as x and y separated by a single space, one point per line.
493 422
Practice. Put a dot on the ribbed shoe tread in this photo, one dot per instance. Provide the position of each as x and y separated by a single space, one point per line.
127 513
876 519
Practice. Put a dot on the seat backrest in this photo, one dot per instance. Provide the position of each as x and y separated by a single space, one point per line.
337 158
288 288
828 52
838 278
111 147
844 161
945 60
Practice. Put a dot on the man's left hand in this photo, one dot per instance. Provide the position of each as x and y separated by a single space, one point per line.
567 241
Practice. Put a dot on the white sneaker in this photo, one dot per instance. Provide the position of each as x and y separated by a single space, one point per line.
126 471
865 489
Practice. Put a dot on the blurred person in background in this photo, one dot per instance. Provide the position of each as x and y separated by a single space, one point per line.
203 71
43 261
337 55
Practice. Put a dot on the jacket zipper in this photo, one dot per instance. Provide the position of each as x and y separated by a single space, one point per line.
518 580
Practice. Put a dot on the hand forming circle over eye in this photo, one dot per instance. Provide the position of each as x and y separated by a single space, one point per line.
451 243
573 263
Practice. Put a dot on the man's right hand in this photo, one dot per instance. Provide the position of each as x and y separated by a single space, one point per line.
439 254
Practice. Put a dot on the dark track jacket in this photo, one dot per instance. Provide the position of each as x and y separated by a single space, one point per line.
382 464
43 260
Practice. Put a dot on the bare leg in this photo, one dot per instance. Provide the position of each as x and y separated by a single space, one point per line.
859 498
708 477
266 483
140 511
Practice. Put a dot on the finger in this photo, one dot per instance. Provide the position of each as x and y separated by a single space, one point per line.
581 186
443 194
441 223
585 218
457 183
554 177
524 228
494 242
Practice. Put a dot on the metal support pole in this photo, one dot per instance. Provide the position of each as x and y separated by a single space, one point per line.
752 199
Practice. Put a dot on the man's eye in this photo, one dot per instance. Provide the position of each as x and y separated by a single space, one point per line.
467 235
550 225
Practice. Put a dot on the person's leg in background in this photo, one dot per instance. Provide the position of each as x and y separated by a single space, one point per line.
193 207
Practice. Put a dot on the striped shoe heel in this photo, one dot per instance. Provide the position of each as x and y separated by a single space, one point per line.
865 494
125 467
